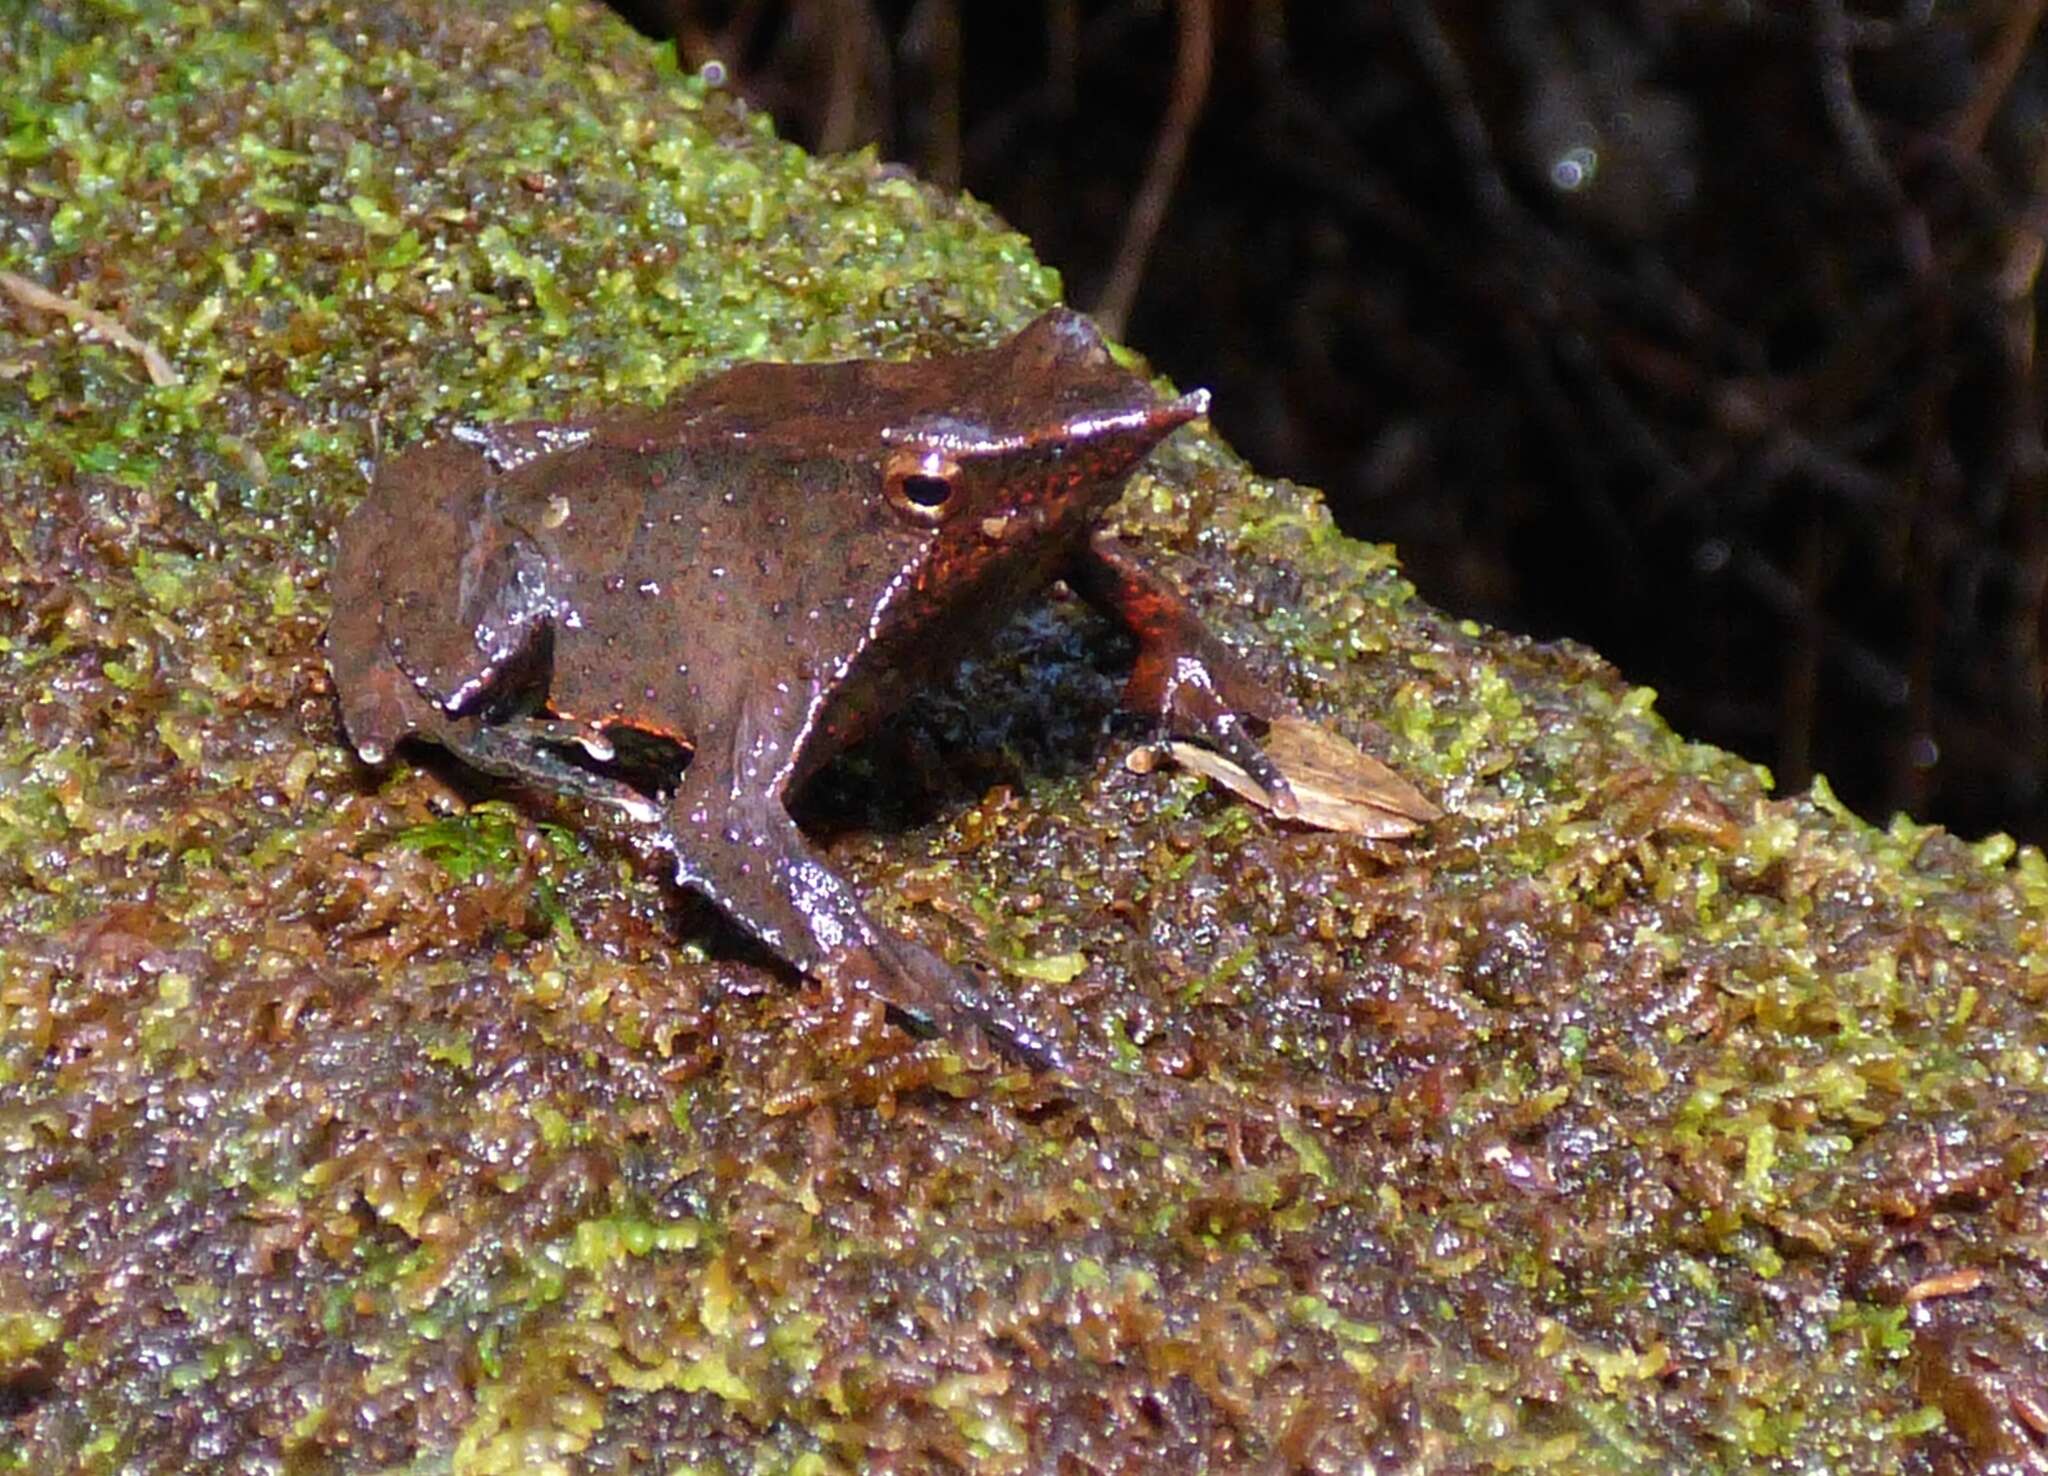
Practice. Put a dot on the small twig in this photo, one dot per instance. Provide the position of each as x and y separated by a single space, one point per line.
1446 70
1874 675
2018 282
1632 434
1799 698
1063 56
1192 60
932 34
1617 549
1833 40
1935 482
1839 476
28 294
857 43
1966 134
1068 41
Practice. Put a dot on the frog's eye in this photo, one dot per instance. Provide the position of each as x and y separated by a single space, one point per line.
922 485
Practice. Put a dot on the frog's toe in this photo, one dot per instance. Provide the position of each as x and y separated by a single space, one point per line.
518 750
1018 1039
1229 738
948 992
1214 703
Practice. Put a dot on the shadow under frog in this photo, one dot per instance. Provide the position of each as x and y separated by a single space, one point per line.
760 572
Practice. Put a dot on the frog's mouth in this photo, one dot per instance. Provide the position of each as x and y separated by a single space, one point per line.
1097 452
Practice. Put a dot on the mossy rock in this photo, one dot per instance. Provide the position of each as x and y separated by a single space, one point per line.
1631 1119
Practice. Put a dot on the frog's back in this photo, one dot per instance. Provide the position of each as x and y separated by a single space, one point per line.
692 575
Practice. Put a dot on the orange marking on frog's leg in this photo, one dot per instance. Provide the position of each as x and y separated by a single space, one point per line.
1187 679
571 725
640 723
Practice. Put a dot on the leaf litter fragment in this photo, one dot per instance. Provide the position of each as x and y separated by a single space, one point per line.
32 295
1337 786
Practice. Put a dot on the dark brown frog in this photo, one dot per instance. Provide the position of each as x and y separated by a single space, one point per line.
759 572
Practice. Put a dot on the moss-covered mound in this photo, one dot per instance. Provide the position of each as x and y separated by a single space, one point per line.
1630 1120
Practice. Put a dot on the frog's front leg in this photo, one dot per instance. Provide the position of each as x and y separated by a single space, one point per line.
750 859
738 845
1184 677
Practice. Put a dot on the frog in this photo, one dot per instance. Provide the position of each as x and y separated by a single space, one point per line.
757 575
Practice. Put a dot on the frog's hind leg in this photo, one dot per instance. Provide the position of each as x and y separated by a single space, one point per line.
436 599
528 749
380 704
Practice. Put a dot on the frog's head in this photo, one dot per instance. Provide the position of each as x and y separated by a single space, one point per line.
1033 442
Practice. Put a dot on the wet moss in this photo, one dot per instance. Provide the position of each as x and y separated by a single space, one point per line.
1633 1119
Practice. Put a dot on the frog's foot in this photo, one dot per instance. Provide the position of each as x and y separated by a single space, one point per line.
526 749
1185 691
944 992
1184 678
379 704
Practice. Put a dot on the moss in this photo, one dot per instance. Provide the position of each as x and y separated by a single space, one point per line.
1633 1119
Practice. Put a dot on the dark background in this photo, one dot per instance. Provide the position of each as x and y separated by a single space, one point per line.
1702 333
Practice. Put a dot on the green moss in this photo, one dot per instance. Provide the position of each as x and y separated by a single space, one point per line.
23 1333
482 842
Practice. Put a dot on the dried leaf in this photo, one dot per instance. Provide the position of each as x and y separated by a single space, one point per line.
1336 785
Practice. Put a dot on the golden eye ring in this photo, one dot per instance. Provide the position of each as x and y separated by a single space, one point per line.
924 486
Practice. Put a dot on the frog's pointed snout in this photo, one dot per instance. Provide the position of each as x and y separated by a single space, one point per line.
1163 417
1191 406
1121 438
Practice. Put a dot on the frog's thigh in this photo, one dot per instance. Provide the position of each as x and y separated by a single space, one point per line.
380 706
465 637
379 703
464 594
